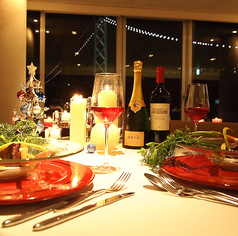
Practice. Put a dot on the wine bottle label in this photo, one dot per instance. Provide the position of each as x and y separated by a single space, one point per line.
134 138
159 116
135 105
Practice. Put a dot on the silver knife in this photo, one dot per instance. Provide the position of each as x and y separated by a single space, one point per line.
72 214
20 218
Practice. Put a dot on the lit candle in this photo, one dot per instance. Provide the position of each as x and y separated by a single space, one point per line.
107 98
53 132
217 120
48 122
98 137
65 116
78 119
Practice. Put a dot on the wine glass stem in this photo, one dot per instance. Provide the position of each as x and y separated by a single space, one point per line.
106 144
195 125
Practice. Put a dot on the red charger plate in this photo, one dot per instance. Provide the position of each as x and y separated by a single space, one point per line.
198 169
47 181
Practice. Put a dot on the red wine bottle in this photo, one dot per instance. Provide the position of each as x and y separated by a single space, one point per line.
159 109
136 126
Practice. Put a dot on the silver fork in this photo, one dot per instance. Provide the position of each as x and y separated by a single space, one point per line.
203 191
118 185
184 193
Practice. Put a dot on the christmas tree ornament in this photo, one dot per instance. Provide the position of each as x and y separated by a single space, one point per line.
91 148
36 110
40 95
21 95
23 109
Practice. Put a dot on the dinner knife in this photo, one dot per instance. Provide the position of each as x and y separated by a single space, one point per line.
75 213
20 218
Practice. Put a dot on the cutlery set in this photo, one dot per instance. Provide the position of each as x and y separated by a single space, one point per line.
166 182
69 203
163 181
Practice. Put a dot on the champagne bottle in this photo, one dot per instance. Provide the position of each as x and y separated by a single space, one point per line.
159 109
136 125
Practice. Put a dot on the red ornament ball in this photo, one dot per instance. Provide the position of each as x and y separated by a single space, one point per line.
21 94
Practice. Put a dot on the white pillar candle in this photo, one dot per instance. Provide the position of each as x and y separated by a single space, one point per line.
53 132
98 137
78 119
65 116
107 98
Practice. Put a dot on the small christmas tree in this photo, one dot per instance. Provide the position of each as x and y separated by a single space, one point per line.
31 95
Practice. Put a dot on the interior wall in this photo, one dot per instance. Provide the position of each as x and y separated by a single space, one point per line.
12 55
131 11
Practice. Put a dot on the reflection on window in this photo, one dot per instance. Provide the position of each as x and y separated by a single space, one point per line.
155 43
76 48
215 49
33 39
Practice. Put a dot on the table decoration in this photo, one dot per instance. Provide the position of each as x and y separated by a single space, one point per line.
64 119
217 120
98 136
157 153
48 122
78 119
53 132
31 95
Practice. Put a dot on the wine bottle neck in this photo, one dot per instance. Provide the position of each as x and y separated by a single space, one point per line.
137 100
160 75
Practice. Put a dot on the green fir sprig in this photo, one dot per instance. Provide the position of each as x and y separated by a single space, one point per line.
156 153
21 131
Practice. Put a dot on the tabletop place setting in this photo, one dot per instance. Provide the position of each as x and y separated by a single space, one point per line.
53 183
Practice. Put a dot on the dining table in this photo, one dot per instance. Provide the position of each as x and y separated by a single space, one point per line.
150 211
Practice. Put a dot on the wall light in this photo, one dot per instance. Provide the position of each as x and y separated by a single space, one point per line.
198 71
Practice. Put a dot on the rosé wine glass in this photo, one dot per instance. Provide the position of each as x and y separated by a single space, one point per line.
196 104
107 105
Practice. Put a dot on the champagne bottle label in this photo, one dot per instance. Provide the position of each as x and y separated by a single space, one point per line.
134 138
135 105
159 116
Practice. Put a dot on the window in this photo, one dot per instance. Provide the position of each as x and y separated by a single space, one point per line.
76 47
215 63
73 44
155 43
33 39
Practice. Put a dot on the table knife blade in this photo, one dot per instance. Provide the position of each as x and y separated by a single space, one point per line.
20 218
75 213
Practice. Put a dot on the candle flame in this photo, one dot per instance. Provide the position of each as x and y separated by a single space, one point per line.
107 87
77 97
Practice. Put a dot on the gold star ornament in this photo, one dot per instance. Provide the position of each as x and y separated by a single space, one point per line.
32 69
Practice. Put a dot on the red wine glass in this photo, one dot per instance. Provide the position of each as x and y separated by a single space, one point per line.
107 104
196 104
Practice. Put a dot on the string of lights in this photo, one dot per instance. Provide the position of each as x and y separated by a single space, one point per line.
152 34
129 28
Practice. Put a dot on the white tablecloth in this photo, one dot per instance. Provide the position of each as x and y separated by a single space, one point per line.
149 212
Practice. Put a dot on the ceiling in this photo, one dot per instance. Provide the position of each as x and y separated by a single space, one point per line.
201 6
